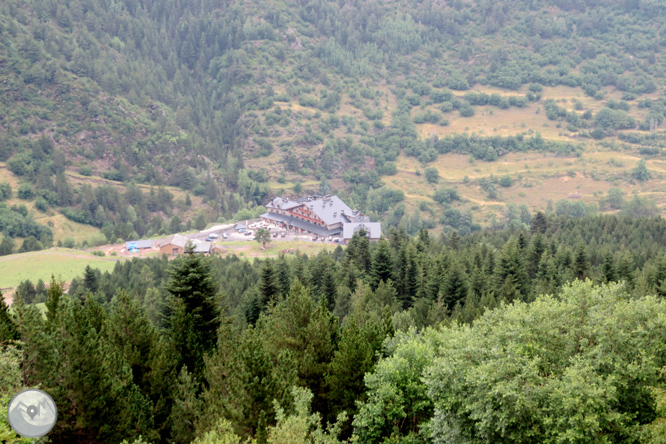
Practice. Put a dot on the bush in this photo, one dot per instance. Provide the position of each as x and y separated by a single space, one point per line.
446 195
432 175
466 110
388 169
5 191
96 240
506 181
26 191
41 204
68 242
99 253
86 170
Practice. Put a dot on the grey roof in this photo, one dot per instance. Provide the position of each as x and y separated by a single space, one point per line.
330 209
146 243
284 204
292 221
374 229
176 239
202 247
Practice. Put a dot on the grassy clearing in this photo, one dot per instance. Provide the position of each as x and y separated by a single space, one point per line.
253 250
64 264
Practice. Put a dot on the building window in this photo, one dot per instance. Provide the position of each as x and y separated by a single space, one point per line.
175 251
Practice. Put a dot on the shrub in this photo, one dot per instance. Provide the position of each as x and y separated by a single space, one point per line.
26 191
96 240
432 175
68 242
86 170
99 253
41 204
506 181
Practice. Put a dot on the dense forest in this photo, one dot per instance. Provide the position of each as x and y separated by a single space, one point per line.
409 339
185 95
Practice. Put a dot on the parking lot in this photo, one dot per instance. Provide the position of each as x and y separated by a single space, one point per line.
252 226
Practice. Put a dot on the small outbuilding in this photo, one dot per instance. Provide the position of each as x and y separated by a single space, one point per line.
173 245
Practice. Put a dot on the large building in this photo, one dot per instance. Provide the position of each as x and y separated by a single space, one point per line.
320 215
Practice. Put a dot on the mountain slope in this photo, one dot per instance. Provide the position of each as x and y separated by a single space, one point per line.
322 95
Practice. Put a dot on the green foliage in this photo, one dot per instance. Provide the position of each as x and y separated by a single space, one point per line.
263 236
551 384
640 172
432 175
192 314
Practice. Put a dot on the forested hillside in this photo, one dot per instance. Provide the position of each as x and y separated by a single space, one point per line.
233 102
411 339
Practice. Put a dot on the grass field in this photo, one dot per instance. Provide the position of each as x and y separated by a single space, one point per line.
253 250
64 264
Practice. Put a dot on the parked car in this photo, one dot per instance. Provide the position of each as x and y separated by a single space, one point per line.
336 240
241 230
213 236
284 234
209 239
275 235
330 238
224 235
248 233
314 238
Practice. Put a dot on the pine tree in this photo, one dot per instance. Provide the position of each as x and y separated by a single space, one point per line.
268 286
307 331
283 272
358 250
192 312
90 281
626 269
455 286
511 274
581 265
534 254
8 330
53 301
609 270
539 223
355 356
186 408
382 264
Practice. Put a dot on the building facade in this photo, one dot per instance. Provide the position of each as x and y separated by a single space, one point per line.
320 215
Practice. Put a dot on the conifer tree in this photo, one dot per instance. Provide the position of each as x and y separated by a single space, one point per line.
534 254
609 269
355 356
90 281
307 330
53 301
539 223
581 265
358 250
455 286
268 286
192 316
382 264
8 330
186 408
626 269
283 272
